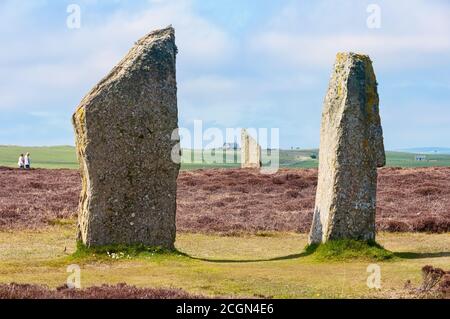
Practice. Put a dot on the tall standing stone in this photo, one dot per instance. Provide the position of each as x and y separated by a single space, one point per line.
123 131
351 149
250 151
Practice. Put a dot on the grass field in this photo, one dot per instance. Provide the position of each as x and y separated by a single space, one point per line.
42 157
64 157
270 265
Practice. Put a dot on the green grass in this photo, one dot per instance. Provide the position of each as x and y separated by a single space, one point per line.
119 251
345 249
64 157
42 157
399 159
275 265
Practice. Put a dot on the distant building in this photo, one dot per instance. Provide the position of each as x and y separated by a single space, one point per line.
420 158
230 146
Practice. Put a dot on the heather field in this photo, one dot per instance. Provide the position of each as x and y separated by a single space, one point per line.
234 201
122 291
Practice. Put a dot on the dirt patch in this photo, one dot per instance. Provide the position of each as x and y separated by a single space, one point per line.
234 201
119 291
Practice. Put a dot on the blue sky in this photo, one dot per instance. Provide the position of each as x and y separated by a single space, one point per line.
242 63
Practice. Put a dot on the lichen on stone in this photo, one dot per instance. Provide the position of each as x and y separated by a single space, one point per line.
123 129
351 149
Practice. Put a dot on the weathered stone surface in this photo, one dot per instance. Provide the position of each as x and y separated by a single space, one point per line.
250 151
123 133
351 149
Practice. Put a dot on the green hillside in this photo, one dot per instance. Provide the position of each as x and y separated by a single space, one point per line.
64 157
42 157
398 159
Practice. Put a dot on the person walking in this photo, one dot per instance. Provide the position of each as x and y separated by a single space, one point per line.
27 161
21 162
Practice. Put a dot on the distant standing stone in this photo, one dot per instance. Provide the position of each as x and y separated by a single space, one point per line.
351 149
123 131
250 151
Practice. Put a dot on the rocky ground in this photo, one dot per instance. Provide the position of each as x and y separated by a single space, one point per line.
233 201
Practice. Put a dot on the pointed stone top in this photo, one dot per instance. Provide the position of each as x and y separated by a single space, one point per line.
131 112
168 32
347 60
136 60
352 55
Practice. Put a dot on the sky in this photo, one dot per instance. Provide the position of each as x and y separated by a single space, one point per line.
249 63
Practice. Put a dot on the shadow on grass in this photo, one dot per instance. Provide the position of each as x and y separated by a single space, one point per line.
105 252
411 255
401 255
287 257
338 250
335 250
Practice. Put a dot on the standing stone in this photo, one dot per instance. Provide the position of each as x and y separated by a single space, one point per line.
123 133
351 149
250 151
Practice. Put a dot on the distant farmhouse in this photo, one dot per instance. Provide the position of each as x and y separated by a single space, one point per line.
230 146
420 158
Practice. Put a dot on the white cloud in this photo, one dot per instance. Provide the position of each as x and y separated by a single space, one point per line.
204 84
319 51
412 33
236 100
41 66
272 73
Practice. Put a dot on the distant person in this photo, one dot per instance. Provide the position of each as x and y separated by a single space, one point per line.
21 162
27 161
